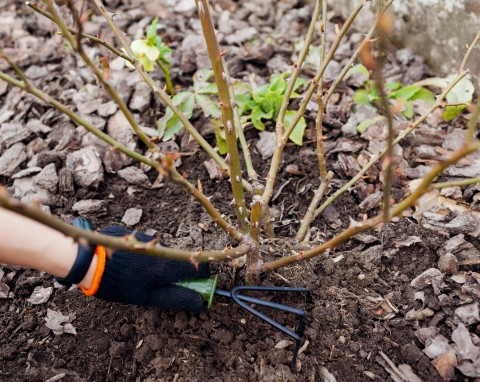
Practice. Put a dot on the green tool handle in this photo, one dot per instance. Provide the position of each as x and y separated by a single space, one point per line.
206 287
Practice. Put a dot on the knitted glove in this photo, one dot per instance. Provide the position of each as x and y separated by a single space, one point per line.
130 278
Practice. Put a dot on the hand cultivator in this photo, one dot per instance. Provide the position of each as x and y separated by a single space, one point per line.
207 288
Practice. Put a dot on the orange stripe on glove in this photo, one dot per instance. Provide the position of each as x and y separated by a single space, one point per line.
97 276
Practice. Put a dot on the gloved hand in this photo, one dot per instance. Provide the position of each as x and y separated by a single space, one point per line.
130 278
148 281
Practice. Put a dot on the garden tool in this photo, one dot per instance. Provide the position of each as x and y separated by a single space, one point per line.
207 288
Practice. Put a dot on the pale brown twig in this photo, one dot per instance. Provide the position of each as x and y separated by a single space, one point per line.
173 173
456 183
251 172
95 39
297 67
76 43
309 215
128 243
15 68
379 219
277 155
254 259
164 96
402 135
387 112
367 40
472 124
322 164
216 58
463 65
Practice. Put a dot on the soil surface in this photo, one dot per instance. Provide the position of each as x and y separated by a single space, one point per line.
362 292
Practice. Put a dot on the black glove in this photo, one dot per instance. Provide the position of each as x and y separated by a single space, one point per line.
147 280
130 278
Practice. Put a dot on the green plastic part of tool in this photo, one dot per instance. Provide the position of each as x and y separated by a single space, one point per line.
204 286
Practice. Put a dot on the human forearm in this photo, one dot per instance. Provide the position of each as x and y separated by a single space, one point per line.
30 244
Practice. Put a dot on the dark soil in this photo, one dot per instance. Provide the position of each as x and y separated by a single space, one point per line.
125 343
348 324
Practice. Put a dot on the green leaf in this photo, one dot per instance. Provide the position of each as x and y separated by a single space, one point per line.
364 125
425 95
361 97
201 78
208 106
147 64
393 85
257 115
174 125
299 82
297 134
276 102
243 101
462 92
358 69
452 111
186 106
408 110
413 92
405 93
201 82
169 125
208 89
165 51
220 137
152 30
241 88
259 93
162 125
278 84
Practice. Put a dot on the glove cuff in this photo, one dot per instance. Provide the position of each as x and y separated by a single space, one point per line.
84 257
97 277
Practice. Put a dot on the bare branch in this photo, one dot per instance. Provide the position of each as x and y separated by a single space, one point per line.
164 96
129 244
379 219
367 40
402 135
277 155
387 112
173 173
297 67
95 39
216 58
77 45
309 215
472 124
469 52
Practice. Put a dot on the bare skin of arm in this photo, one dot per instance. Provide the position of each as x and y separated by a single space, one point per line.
29 244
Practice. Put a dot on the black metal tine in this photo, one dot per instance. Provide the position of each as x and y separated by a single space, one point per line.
268 304
223 293
242 301
263 316
286 308
274 289
295 355
294 335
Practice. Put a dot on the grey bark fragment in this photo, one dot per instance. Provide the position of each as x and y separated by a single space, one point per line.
12 158
86 167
